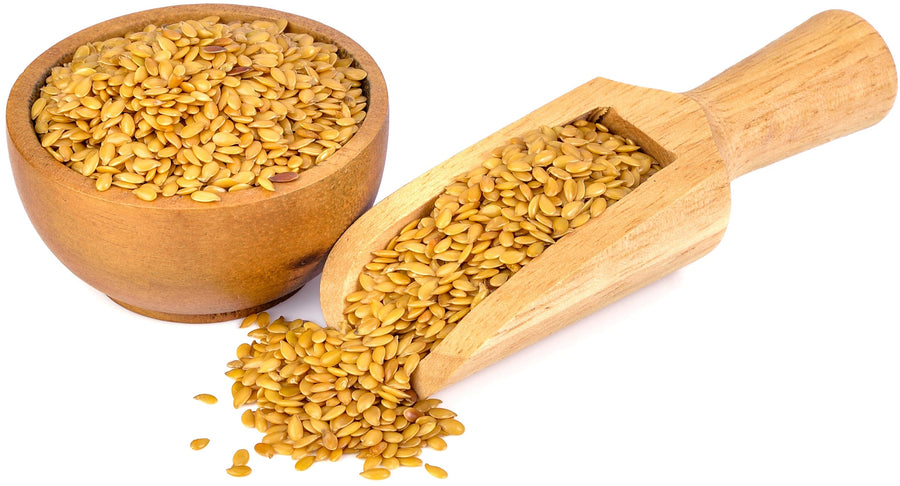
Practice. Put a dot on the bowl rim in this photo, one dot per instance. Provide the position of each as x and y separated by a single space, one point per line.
21 134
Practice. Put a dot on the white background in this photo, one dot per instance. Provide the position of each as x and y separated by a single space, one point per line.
773 360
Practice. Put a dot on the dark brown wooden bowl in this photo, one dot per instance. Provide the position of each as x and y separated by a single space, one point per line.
177 259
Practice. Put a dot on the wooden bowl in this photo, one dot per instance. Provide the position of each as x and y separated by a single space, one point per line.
177 259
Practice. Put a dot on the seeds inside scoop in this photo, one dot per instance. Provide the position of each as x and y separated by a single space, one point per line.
322 393
200 108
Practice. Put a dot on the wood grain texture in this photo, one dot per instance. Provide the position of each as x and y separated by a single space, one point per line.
829 77
177 259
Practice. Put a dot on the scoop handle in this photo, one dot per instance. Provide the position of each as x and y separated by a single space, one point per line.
829 77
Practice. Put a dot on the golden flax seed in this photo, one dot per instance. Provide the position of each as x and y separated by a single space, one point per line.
435 471
239 471
198 444
377 473
206 398
265 450
304 463
240 458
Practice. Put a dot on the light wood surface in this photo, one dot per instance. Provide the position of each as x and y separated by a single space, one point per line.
174 258
829 77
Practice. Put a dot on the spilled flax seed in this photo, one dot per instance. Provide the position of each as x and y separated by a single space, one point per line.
198 444
436 471
240 458
206 398
200 108
320 393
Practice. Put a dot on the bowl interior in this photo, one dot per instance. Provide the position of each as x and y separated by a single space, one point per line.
21 133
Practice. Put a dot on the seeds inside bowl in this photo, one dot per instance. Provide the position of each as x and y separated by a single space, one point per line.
200 106
320 393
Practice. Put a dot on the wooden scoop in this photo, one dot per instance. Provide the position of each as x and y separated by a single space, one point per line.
831 76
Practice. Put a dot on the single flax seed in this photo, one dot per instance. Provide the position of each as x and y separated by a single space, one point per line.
240 458
206 398
377 473
198 444
239 471
265 450
304 463
436 471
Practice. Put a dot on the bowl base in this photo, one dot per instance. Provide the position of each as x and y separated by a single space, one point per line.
204 318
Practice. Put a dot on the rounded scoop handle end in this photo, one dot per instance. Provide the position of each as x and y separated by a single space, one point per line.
829 77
